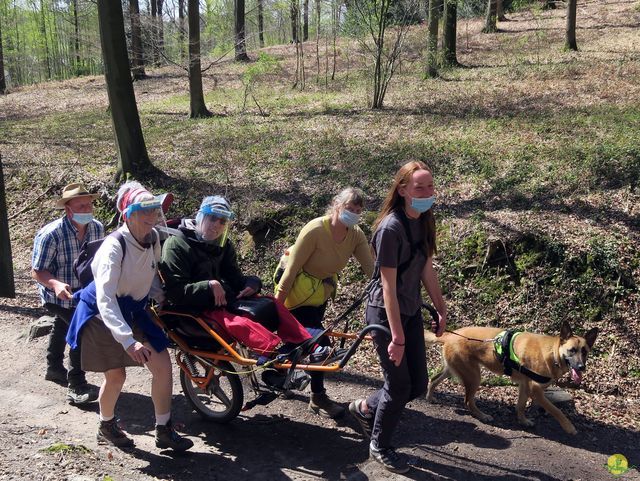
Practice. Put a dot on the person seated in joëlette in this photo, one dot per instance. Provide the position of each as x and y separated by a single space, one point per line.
199 268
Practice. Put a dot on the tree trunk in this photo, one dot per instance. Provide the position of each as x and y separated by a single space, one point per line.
132 151
318 18
305 20
240 43
572 6
7 285
181 29
153 30
43 31
490 23
160 24
76 38
137 64
500 11
261 23
450 33
3 81
432 39
294 21
198 107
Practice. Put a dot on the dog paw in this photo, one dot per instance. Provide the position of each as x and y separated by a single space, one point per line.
526 422
485 418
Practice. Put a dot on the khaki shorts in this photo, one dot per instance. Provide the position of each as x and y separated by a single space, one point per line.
100 351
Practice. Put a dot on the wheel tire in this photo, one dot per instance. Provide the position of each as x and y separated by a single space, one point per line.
221 406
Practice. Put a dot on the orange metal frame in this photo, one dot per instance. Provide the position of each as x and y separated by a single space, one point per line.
227 352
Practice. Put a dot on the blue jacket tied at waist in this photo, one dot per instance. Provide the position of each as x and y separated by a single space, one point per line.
133 311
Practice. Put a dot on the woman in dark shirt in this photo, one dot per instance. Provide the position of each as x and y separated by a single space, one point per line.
404 243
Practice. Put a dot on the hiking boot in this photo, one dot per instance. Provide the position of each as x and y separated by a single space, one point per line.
389 458
82 394
321 404
57 375
110 433
365 421
167 437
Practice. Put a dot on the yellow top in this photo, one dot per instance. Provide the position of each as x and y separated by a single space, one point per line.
316 253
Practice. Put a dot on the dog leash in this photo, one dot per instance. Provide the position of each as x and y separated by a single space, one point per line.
436 321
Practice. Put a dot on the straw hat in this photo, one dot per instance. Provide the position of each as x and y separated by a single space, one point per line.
72 191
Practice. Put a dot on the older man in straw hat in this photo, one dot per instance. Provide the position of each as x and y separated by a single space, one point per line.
55 248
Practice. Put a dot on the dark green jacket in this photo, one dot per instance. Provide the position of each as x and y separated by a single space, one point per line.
188 265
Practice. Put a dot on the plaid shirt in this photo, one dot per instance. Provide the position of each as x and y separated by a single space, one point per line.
55 248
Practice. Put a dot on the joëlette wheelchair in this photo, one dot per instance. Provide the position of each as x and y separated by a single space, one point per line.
211 366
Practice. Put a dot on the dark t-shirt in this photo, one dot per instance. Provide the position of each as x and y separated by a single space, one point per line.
392 248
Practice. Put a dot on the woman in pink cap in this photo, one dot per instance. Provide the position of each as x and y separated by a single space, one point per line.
111 322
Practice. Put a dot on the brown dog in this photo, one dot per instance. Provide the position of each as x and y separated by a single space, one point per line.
546 356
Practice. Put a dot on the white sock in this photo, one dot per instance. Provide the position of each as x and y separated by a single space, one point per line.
162 419
105 418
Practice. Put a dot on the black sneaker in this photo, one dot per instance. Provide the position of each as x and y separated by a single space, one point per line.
366 422
110 433
82 394
167 437
57 375
389 458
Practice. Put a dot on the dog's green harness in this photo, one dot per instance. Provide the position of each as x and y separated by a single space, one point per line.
503 344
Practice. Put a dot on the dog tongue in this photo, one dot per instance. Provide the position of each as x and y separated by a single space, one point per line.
576 376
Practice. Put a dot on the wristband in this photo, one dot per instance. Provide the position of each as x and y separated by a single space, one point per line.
397 344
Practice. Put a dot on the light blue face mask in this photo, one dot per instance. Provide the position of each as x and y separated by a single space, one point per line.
422 204
349 218
82 218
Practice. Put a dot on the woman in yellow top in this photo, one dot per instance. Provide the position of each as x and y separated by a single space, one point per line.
322 250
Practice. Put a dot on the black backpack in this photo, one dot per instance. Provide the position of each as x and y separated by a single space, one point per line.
82 265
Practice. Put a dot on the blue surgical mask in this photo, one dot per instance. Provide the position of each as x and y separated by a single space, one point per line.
348 218
82 218
422 204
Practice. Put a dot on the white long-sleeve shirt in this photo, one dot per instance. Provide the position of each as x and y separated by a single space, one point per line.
135 276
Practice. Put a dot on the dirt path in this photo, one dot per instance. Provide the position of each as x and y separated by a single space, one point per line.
281 441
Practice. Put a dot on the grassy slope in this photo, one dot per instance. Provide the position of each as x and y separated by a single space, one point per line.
535 151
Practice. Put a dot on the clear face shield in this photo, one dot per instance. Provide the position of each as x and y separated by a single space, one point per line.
213 224
143 217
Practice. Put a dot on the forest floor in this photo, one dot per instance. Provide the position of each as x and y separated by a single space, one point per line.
528 140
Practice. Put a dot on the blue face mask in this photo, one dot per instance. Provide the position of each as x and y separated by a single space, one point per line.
422 204
82 218
348 218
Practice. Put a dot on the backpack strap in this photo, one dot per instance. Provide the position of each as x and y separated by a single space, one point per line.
118 235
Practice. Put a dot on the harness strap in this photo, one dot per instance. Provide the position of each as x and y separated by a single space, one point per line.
503 344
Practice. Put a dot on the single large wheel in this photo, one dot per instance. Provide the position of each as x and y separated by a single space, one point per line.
222 399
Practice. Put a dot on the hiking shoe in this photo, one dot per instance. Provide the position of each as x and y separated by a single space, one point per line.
326 355
167 437
366 422
82 394
323 405
276 379
110 433
389 458
57 375
299 381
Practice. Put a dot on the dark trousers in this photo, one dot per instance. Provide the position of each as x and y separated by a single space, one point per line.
312 317
402 383
57 343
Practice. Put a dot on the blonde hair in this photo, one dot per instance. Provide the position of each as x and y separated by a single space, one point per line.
395 202
350 195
